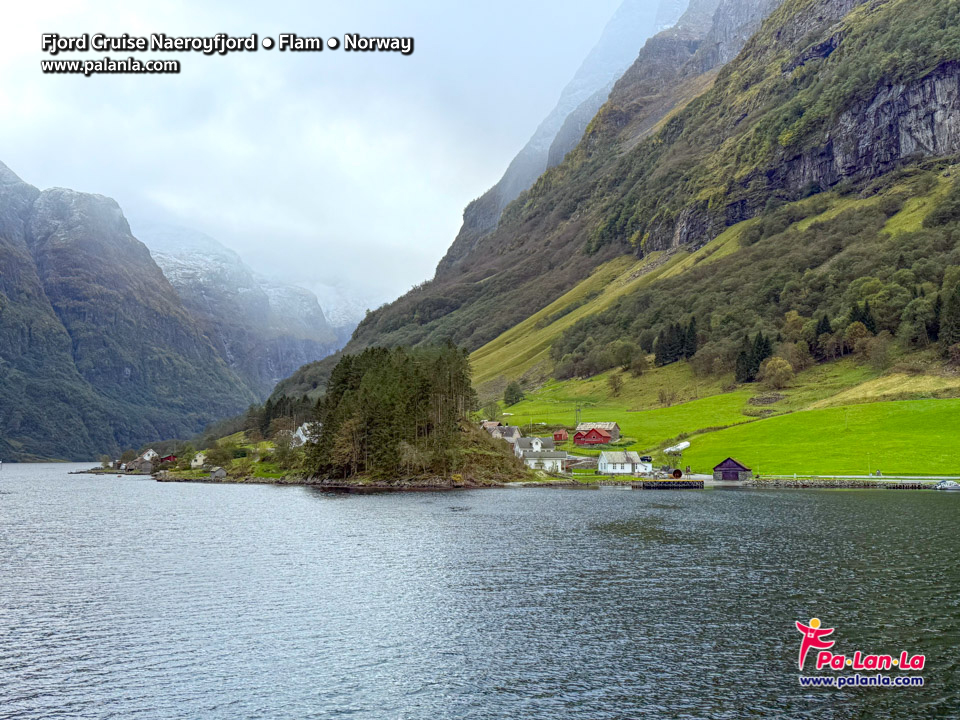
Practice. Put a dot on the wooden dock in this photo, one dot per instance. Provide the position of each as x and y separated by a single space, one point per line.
668 485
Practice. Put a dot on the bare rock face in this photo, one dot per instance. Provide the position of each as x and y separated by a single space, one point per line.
921 118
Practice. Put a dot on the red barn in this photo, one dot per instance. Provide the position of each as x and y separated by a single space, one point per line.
593 436
560 435
169 458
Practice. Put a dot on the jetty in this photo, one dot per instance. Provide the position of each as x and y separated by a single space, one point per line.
665 484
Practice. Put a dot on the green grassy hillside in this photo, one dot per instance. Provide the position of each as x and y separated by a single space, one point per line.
907 437
834 418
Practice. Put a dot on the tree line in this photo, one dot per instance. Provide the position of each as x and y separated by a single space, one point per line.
393 412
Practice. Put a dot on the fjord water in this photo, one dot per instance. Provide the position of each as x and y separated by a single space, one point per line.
126 598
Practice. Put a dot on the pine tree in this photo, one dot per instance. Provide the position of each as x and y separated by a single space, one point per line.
760 351
933 327
659 355
868 320
950 320
678 341
824 327
690 344
744 368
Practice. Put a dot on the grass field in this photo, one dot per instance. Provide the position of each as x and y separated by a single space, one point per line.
834 418
915 436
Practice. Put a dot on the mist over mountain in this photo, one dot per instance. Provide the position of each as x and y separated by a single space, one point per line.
625 33
97 351
739 109
262 328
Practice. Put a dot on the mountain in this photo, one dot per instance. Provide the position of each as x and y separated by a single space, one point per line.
712 140
97 352
632 23
263 330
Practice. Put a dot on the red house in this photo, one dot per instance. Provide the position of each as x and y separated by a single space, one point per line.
169 458
593 436
560 435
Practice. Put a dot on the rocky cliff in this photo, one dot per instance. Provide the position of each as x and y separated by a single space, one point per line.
819 93
263 329
96 350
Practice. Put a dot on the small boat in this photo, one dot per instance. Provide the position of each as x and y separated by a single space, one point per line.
947 485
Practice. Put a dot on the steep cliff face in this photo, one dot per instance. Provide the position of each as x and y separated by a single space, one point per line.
823 91
560 131
918 118
97 351
262 329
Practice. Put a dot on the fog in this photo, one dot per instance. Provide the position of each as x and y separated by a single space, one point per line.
328 169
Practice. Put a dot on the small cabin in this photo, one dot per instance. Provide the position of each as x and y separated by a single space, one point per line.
561 435
510 433
624 463
218 473
732 471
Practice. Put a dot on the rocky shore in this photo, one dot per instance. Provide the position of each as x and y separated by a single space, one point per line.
837 483
349 485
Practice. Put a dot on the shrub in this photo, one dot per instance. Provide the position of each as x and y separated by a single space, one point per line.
615 383
777 373
639 365
667 397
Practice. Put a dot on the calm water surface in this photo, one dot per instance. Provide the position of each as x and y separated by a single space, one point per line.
124 598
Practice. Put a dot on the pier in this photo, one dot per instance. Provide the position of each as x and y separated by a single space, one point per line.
668 485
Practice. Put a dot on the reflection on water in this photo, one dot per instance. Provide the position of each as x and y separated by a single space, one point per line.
131 599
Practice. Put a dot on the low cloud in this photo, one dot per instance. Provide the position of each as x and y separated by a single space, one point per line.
327 169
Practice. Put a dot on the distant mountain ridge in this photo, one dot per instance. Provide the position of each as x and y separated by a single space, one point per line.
263 329
97 352
104 345
632 23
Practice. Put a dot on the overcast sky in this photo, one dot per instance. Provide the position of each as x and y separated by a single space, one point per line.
320 168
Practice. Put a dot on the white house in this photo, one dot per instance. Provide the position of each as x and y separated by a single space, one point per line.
624 463
305 433
533 444
547 460
198 460
150 455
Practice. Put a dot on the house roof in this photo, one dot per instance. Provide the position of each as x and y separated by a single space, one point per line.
490 424
544 455
527 443
628 457
510 432
584 427
731 464
600 431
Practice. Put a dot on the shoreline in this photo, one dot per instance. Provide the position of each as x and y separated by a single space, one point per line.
436 484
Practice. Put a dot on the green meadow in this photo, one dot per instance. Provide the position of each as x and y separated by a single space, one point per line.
835 418
907 437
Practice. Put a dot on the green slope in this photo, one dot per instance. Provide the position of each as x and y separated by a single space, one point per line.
908 437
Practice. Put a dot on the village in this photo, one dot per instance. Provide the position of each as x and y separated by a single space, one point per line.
545 454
